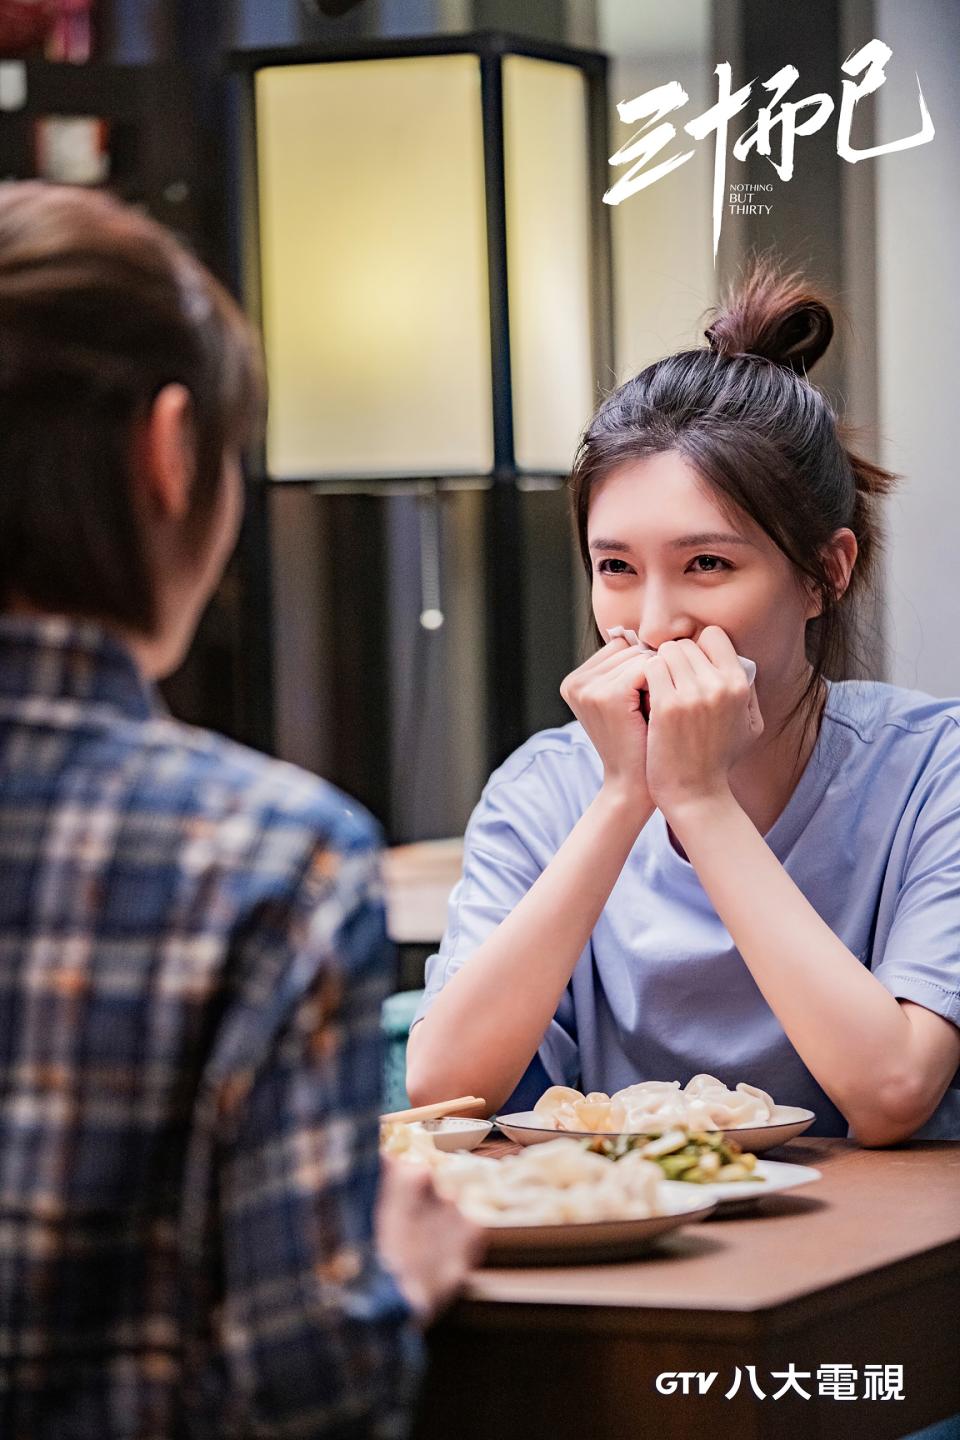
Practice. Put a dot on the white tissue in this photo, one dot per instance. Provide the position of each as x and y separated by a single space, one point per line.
632 638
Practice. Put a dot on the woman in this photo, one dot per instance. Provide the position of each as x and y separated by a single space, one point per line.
760 881
191 940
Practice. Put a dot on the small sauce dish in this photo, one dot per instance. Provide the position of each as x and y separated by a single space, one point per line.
455 1132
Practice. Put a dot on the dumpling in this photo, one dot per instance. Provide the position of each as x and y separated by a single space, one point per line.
649 1107
601 1200
600 1114
767 1101
651 1098
557 1162
640 1178
652 1088
730 1109
700 1115
552 1100
703 1083
556 1182
652 1121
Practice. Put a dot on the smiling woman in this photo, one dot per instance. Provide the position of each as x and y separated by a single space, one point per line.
699 873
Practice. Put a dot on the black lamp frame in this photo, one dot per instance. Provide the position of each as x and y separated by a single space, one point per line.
503 530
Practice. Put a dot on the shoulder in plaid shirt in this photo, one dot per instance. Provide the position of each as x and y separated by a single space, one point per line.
192 963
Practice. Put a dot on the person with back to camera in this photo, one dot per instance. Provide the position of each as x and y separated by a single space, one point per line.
192 952
760 881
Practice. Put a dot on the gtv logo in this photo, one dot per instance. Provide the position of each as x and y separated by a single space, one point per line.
672 1381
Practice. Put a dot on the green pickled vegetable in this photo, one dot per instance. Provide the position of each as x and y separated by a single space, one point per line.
695 1157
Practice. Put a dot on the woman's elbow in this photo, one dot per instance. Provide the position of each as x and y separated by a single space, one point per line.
431 1077
415 1078
420 1089
423 1083
875 1134
889 1121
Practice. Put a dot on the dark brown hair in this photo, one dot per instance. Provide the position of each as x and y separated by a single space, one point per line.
765 440
100 308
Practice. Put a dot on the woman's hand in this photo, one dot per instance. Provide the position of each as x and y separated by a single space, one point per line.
605 695
703 718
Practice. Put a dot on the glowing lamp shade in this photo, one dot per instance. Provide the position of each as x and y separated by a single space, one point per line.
375 266
548 259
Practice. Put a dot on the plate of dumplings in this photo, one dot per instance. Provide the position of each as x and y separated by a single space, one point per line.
746 1114
558 1203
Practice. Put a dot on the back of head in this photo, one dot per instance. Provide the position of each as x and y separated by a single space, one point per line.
100 308
765 440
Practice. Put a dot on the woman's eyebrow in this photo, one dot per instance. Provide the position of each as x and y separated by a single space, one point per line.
708 537
683 542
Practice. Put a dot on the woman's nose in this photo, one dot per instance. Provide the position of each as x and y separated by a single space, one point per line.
659 623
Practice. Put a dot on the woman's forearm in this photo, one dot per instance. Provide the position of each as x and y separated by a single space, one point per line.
850 1032
484 1027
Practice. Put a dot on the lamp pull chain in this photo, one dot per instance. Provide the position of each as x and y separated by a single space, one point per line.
431 612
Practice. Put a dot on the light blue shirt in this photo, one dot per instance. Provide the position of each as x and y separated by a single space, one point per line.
871 835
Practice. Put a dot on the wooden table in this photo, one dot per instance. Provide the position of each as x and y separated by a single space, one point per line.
861 1268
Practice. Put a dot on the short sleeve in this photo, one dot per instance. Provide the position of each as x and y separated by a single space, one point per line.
520 821
921 953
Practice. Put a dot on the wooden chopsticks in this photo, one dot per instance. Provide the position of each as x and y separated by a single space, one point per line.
441 1107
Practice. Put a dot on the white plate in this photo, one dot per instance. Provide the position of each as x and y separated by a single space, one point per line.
775 1176
583 1242
527 1128
787 1123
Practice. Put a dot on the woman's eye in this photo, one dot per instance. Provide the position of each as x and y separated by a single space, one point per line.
714 563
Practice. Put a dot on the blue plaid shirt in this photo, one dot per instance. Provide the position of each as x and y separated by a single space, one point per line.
192 963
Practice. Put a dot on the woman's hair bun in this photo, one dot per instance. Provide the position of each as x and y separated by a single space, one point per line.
777 316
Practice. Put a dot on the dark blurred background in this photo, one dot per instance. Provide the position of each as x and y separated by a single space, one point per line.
314 647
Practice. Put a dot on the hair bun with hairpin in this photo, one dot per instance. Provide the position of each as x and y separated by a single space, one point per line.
775 316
